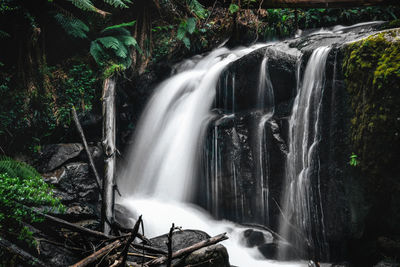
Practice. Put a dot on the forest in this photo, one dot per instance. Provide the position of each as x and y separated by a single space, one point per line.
200 133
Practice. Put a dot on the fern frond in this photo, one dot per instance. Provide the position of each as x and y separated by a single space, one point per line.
85 5
4 34
72 26
129 41
118 3
115 31
122 25
17 169
98 53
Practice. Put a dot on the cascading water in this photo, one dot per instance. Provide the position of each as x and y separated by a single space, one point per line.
159 181
302 221
178 131
266 105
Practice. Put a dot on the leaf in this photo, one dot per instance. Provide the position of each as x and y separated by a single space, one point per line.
126 24
181 32
72 26
186 41
191 25
233 8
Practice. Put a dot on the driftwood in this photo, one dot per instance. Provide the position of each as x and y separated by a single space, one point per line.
109 153
98 254
169 245
13 249
188 250
82 134
134 232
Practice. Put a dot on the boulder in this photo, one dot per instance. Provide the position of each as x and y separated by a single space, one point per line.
271 251
55 155
76 187
213 256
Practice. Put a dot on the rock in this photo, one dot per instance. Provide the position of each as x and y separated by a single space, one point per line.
124 217
76 187
270 251
53 156
215 256
387 264
341 264
253 238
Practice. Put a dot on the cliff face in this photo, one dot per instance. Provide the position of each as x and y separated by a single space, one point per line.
359 117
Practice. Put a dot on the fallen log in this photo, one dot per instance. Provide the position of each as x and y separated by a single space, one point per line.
188 250
82 134
98 254
15 250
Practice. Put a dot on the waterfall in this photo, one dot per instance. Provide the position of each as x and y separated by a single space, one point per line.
266 105
159 180
302 221
163 157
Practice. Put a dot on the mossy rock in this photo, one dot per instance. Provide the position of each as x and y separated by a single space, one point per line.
372 73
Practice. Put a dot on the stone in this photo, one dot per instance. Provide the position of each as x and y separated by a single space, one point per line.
253 238
55 155
76 187
214 255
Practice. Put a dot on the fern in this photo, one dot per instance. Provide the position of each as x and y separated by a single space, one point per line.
112 48
72 26
118 3
85 5
16 168
120 26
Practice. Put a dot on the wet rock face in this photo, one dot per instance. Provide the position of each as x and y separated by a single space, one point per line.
72 177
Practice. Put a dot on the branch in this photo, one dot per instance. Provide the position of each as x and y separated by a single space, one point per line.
98 254
134 232
80 130
13 249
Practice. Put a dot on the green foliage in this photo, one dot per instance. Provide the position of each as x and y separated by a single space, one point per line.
113 69
353 160
33 118
72 26
281 22
233 8
24 187
88 5
186 28
197 8
112 48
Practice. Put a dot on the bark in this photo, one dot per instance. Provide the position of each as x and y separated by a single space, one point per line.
98 254
110 155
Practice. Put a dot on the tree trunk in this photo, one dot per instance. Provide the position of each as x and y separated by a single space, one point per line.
109 151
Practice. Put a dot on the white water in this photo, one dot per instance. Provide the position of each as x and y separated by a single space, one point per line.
158 183
302 206
266 103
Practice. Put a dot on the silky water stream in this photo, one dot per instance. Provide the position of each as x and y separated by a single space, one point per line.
159 181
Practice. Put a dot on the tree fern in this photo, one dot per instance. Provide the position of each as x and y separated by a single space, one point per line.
85 5
113 46
72 26
16 168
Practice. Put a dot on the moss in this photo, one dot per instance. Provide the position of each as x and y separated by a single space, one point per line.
372 73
